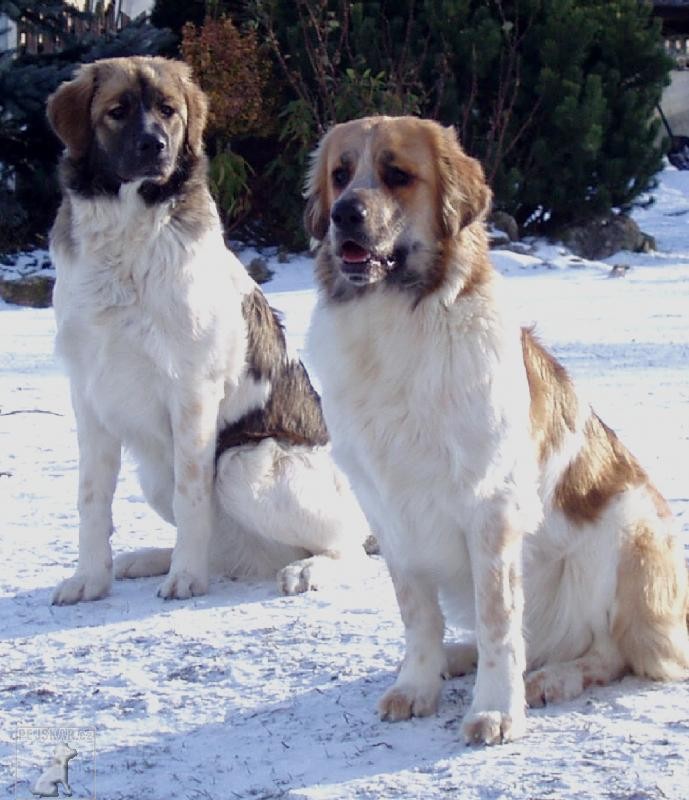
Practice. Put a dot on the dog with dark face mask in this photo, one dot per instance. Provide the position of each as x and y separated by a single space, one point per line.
174 353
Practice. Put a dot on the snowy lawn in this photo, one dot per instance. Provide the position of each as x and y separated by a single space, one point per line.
247 694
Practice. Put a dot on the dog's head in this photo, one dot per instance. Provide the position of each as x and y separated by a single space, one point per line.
128 119
388 196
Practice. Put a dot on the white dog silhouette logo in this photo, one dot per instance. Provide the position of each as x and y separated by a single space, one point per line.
57 772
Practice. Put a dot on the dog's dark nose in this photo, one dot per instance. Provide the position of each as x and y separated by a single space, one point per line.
348 213
151 144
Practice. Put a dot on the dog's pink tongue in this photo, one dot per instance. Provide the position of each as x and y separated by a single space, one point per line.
354 254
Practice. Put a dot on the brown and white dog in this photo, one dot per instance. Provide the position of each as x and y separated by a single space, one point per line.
174 353
500 499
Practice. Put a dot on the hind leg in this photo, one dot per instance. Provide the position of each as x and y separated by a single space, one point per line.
565 680
144 563
298 500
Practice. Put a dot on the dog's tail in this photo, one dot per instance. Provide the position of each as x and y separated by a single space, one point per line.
652 618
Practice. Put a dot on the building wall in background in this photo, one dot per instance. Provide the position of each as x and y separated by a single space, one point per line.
24 38
675 102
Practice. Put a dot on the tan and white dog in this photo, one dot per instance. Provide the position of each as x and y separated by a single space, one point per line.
500 499
174 353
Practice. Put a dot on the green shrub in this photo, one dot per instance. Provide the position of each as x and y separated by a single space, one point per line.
337 60
229 176
558 102
555 97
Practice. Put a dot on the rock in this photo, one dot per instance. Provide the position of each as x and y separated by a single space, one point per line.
648 244
259 270
35 290
618 271
497 238
371 546
505 222
605 236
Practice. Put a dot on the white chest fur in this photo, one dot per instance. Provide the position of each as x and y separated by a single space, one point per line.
428 412
140 304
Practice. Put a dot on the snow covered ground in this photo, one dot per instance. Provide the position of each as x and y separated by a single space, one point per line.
247 694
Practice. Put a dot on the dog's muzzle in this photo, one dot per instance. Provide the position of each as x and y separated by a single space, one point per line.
361 266
359 263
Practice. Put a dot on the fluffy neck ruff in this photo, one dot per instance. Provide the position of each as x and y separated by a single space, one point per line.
92 176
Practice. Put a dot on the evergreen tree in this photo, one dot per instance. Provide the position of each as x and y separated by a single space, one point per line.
557 98
174 14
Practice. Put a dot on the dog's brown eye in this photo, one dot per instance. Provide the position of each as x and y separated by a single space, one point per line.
340 177
394 176
166 110
117 113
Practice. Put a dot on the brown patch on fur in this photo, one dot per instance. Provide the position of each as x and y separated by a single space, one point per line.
463 194
481 266
317 210
69 111
197 114
292 413
112 78
192 471
661 504
652 601
602 469
266 338
497 602
553 399
470 249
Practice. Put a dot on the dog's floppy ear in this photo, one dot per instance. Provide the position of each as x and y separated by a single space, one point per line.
464 193
316 213
197 112
69 111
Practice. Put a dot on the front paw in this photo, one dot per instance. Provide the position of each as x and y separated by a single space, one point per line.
405 701
493 727
308 574
182 584
83 586
297 578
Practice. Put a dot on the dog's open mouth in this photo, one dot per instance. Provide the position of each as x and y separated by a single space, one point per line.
361 266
